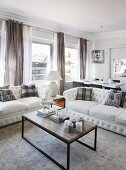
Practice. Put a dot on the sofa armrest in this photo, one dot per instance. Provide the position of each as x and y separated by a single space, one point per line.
70 95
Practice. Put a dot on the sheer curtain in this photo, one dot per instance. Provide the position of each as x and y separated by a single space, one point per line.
27 37
83 57
14 53
2 54
61 60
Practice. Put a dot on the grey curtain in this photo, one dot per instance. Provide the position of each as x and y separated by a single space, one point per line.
83 57
14 53
61 60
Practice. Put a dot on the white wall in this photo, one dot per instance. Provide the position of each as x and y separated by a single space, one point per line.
116 41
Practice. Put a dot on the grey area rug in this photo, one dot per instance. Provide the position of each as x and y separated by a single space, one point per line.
17 154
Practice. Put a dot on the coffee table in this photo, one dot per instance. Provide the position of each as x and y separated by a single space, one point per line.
57 130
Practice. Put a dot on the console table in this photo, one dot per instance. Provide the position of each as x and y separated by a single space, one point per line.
101 84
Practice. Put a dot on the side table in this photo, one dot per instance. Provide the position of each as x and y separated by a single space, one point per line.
59 100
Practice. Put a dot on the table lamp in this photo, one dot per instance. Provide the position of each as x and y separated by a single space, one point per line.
53 76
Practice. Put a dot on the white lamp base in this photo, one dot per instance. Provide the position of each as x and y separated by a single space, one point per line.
53 86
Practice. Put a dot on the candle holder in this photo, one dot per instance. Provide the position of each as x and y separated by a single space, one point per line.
82 120
66 125
74 123
79 127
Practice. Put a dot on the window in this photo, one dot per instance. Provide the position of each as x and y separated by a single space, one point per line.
42 53
71 63
41 57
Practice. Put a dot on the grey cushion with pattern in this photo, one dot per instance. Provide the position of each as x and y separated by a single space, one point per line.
122 98
7 95
84 94
2 88
28 91
113 99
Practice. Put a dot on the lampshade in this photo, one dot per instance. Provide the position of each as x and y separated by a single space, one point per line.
53 76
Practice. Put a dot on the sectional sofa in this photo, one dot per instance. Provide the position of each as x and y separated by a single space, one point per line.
11 111
107 117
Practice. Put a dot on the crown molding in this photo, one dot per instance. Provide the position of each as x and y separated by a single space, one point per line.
107 35
42 23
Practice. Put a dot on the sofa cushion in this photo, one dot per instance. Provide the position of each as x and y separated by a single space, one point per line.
113 99
122 97
31 102
84 94
11 107
81 106
105 112
121 118
28 91
2 88
7 95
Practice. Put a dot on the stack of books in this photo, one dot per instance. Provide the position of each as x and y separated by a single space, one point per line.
45 112
57 118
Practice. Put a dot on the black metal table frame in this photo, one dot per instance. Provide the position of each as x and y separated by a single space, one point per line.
60 138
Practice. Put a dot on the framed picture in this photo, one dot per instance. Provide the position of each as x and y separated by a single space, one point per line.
98 56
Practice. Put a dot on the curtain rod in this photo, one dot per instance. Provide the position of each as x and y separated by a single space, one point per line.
44 29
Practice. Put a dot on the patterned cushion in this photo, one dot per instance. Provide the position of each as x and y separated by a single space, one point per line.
84 94
7 95
122 98
113 99
2 88
28 91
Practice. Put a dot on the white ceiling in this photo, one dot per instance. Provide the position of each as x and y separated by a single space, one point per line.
84 15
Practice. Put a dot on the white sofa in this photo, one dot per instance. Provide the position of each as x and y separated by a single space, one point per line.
107 117
11 111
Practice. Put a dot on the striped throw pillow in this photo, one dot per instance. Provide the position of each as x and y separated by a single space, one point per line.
28 91
84 94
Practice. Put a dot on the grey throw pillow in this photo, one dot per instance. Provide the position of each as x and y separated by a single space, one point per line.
7 95
2 88
29 91
113 99
84 94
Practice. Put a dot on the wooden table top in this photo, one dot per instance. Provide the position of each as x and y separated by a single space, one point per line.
57 129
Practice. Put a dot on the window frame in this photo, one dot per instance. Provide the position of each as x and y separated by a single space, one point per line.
74 46
44 42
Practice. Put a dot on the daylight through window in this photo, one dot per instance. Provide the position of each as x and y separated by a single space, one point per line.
71 55
41 54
